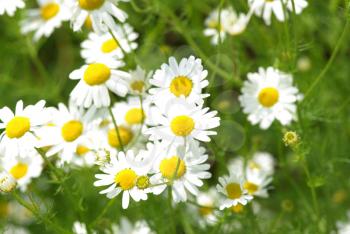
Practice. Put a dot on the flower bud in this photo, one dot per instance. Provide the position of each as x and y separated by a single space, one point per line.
291 138
7 182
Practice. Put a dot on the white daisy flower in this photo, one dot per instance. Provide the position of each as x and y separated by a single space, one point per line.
7 182
126 227
95 80
181 120
24 169
231 23
257 171
208 201
265 9
100 12
139 82
105 47
184 80
44 20
80 228
10 7
124 175
20 127
66 135
343 227
190 165
232 187
12 229
267 95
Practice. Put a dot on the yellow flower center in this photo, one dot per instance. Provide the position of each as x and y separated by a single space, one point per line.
125 136
109 45
206 210
237 208
17 127
233 190
19 171
96 74
182 125
72 130
168 167
142 182
88 23
254 166
90 5
138 85
268 96
250 187
126 179
81 150
49 10
181 86
134 116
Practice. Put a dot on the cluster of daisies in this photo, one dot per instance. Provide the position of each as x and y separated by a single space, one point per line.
227 21
146 131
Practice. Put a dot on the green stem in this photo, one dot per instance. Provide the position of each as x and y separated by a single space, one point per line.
36 60
330 61
103 212
171 210
181 29
115 124
35 211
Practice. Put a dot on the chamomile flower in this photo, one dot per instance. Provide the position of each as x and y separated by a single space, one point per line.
80 228
232 187
105 47
344 227
184 80
257 171
19 128
65 135
184 167
230 23
139 82
124 175
24 169
265 9
126 227
44 20
100 12
182 120
95 80
267 95
10 7
208 201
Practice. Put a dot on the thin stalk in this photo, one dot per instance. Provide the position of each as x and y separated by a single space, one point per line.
32 208
331 60
171 210
103 212
115 124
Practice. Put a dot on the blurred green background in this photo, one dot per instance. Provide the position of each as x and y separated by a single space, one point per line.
302 45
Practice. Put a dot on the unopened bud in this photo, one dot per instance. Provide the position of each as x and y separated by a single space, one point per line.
7 182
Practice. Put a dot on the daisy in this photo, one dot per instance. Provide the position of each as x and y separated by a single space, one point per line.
232 187
343 227
66 135
182 120
184 80
100 12
126 227
230 23
124 175
9 7
20 127
208 201
49 15
265 9
257 171
267 95
183 167
139 82
24 169
105 47
95 80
